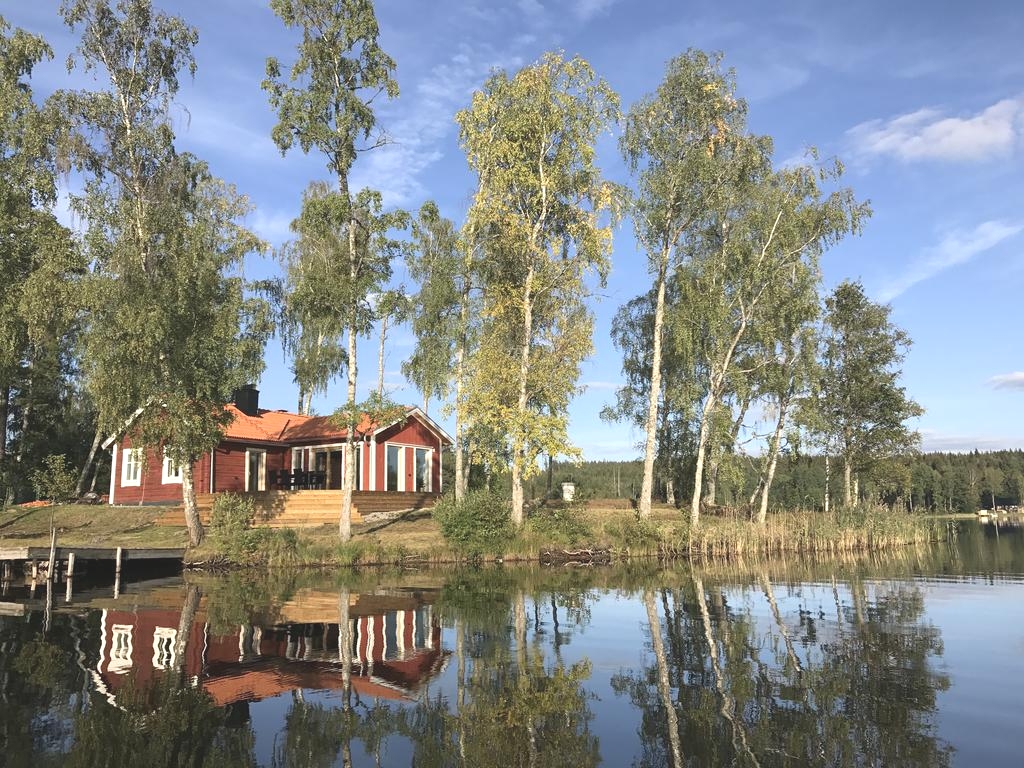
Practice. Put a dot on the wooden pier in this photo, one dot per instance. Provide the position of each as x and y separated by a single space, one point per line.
47 565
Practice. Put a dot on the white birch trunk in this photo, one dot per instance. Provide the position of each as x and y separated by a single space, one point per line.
188 497
647 485
664 689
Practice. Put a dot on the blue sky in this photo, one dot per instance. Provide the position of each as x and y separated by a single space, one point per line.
923 102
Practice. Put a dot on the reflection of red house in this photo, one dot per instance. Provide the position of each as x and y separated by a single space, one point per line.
394 653
259 445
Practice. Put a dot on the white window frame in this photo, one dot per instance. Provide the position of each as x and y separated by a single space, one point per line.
164 642
131 467
261 481
430 469
171 474
401 466
300 454
122 648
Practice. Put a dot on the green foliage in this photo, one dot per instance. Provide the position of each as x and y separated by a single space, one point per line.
560 525
55 481
859 411
235 539
537 220
479 524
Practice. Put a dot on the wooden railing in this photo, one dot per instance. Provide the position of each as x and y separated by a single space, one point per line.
305 509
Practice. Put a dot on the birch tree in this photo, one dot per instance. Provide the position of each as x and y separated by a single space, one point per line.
445 321
678 145
772 224
326 104
536 215
171 331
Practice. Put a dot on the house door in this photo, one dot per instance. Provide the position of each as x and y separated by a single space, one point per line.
336 471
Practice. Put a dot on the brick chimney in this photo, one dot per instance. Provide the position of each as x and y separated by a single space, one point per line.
247 400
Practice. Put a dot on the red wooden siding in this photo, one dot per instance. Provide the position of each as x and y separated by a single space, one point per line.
151 488
229 464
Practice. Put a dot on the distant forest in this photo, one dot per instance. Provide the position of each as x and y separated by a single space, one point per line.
929 482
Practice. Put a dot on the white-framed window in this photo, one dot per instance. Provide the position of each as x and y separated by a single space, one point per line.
131 467
164 639
298 454
172 471
255 469
423 466
394 474
121 648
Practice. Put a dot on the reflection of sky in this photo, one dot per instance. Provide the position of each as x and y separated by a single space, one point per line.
983 633
980 624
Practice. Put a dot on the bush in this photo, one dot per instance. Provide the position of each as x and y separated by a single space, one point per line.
557 524
480 523
231 530
56 480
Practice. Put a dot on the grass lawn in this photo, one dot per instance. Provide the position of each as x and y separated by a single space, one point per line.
85 525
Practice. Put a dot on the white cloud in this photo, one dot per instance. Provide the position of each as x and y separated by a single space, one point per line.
951 443
929 135
1013 380
585 10
427 119
956 248
272 226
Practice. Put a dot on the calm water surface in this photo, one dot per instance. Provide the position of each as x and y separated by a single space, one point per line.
914 658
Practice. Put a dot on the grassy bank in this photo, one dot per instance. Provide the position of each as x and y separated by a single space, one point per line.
83 525
607 529
604 533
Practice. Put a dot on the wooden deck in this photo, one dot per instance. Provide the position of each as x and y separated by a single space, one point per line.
89 553
308 509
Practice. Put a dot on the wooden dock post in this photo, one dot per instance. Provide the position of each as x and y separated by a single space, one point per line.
70 576
117 574
53 551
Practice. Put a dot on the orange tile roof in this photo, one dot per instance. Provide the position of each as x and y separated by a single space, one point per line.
285 427
268 426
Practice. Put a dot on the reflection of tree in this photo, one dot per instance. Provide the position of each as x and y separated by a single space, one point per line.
511 708
863 695
173 723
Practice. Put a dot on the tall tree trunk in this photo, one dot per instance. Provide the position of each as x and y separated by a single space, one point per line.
518 449
828 490
768 476
651 428
5 414
461 465
380 356
664 689
6 488
847 482
711 484
345 523
702 441
670 492
188 497
89 462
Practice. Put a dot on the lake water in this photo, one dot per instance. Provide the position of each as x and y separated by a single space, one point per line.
912 658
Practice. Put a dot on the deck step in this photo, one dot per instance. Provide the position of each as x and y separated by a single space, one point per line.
302 509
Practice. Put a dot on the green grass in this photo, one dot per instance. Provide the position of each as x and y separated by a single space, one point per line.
84 525
415 538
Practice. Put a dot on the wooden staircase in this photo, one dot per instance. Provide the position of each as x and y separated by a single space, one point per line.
307 509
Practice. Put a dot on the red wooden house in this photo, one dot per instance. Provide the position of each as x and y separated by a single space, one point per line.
266 450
